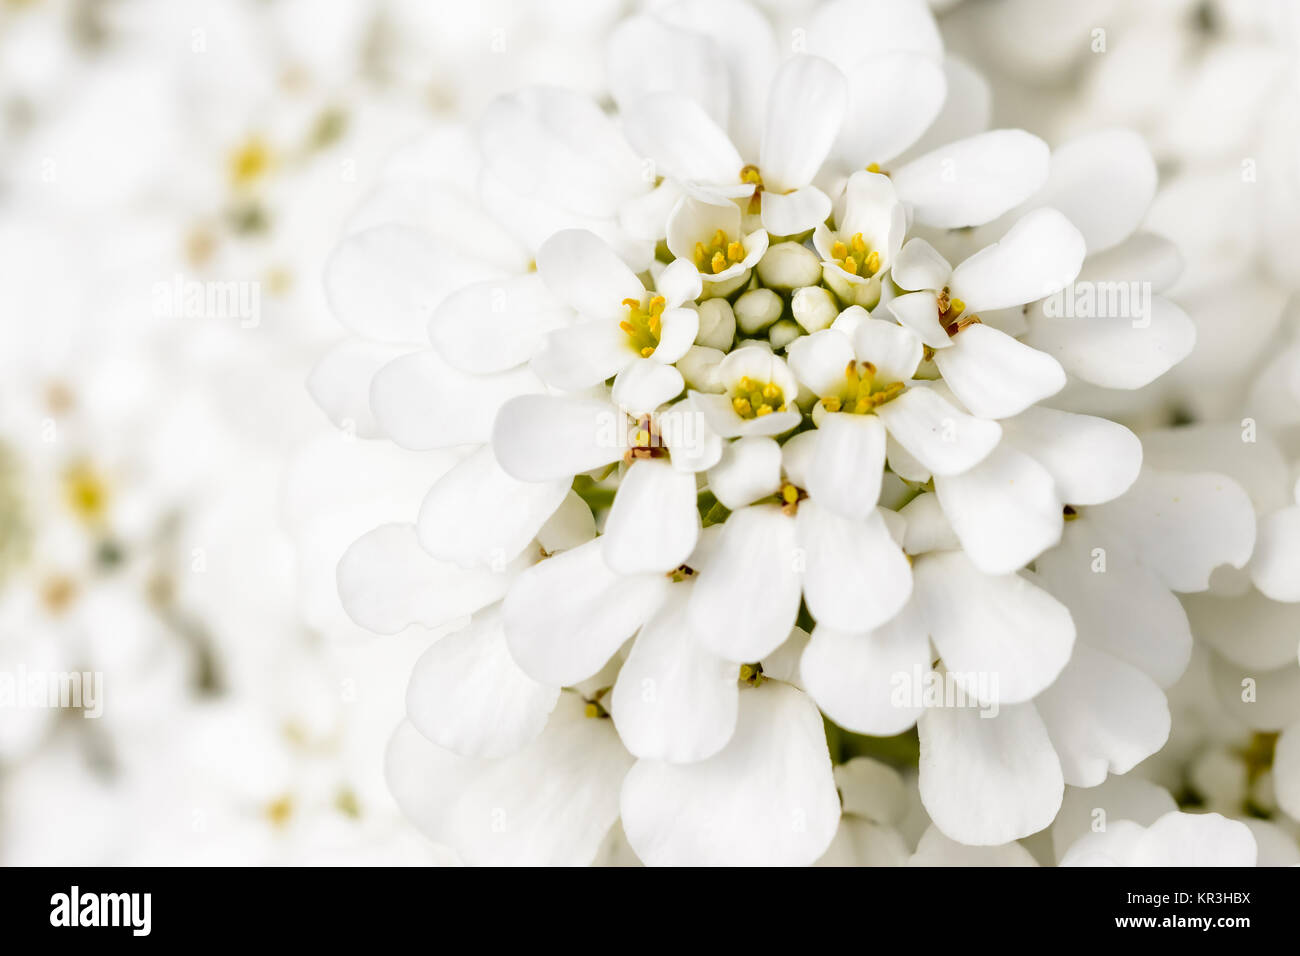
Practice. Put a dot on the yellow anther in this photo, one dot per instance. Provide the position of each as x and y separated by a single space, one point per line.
771 390
657 304
839 250
735 251
250 161
873 262
700 254
746 384
742 407
86 493
750 174
626 327
957 306
632 303
592 709
850 265
643 438
647 351
746 672
789 494
718 262
762 410
719 238
859 246
873 168
643 324
831 403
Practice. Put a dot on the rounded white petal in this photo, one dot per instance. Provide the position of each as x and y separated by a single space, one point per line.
750 468
805 106
495 325
653 523
548 437
747 595
565 617
995 375
1041 254
1195 839
468 695
857 678
894 350
893 99
1000 637
919 311
920 266
340 384
788 214
1103 715
766 799
685 143
1091 459
1005 510
935 849
645 385
856 577
819 360
931 429
975 180
674 701
848 464
1275 566
988 781
387 582
476 514
422 402
582 271
686 61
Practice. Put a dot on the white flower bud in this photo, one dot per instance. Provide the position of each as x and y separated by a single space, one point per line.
699 368
717 324
814 308
757 309
783 333
789 265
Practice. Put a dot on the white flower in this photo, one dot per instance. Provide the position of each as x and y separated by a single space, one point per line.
1176 839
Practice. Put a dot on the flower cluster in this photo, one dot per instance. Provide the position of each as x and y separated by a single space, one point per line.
749 473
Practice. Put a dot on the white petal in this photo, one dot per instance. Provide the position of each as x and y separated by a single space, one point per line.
1041 254
685 61
975 180
582 271
892 100
694 220
383 283
747 595
819 360
550 804
854 676
692 444
679 282
1182 526
653 523
1118 605
1195 839
848 464
1104 716
422 402
495 325
677 334
750 468
559 145
572 524
996 376
1119 351
645 385
1126 797
895 351
674 701
873 790
856 577
946 441
927 527
805 107
1104 183
920 266
469 696
340 384
846 31
1000 637
935 849
387 582
919 311
988 781
1091 459
1275 567
721 417
788 214
476 514
547 437
1248 629
1005 510
565 617
767 799
685 144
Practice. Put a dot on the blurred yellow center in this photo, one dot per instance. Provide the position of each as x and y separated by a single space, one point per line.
250 161
86 493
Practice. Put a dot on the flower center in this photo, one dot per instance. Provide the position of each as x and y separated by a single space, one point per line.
790 496
861 392
718 253
753 399
950 314
85 493
643 324
751 674
750 174
854 257
250 161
